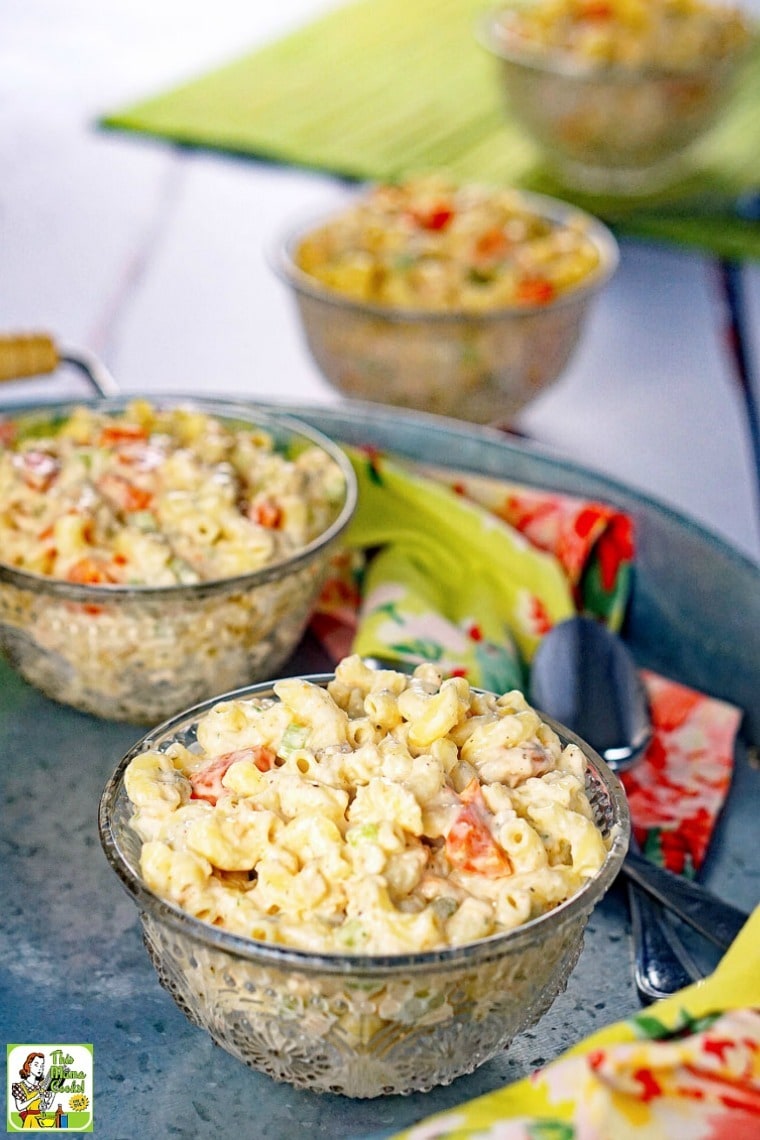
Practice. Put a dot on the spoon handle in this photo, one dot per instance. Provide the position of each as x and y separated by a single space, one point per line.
662 966
716 920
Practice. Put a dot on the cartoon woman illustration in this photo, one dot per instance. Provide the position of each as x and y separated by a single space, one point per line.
32 1094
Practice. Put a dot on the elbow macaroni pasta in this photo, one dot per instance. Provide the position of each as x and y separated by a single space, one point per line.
152 497
345 819
671 35
152 555
429 244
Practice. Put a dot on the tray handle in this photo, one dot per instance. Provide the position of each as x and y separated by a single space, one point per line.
23 355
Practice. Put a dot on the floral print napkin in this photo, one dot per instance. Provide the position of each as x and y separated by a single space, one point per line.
593 542
677 790
688 1067
470 571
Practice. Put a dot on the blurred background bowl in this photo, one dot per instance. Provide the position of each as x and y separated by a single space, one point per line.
609 129
358 1025
481 366
140 653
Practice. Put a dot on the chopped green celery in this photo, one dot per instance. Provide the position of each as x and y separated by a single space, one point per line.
352 934
144 520
294 737
364 833
479 276
444 907
181 570
39 429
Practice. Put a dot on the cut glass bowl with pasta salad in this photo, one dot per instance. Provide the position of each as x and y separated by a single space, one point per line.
153 553
459 299
368 882
616 92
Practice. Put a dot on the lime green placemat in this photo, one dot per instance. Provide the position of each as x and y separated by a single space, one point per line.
379 89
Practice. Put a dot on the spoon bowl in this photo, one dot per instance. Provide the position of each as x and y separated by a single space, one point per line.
584 676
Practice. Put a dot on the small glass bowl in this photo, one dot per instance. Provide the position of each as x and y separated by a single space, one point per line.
477 366
611 130
141 653
360 1026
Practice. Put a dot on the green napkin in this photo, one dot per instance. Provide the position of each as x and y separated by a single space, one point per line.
442 578
381 89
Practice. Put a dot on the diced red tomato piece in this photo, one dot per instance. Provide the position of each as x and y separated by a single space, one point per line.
596 10
266 513
125 495
263 758
89 571
535 291
137 499
436 216
470 846
472 794
491 245
207 781
115 433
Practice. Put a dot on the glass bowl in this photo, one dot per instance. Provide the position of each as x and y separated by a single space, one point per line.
481 366
360 1026
609 129
141 653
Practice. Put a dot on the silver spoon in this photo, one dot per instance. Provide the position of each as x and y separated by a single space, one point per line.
584 676
661 963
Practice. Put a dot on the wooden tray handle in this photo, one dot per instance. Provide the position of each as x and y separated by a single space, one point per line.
27 354
36 354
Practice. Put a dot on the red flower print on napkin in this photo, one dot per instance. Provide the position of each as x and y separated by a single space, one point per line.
677 791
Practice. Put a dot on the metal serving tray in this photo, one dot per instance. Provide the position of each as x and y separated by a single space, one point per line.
72 968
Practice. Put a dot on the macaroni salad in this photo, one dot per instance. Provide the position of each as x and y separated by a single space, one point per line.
667 35
156 497
384 813
432 245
